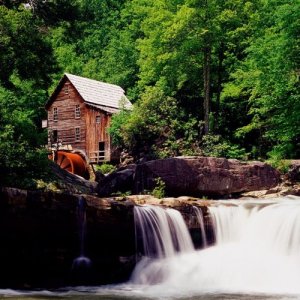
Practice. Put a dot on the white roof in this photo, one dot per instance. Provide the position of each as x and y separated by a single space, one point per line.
101 94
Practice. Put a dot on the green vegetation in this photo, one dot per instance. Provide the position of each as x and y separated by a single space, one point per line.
207 77
160 188
282 165
105 168
26 65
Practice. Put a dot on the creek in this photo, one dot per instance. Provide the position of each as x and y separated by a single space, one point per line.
256 255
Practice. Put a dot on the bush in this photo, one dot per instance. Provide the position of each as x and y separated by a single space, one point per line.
106 168
159 190
214 145
117 127
276 160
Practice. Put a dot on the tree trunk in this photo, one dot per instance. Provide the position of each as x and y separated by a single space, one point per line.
206 79
219 83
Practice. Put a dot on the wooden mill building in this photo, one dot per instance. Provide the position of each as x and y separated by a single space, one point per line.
79 114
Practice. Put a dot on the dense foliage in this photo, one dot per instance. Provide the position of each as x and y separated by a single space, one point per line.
207 77
27 63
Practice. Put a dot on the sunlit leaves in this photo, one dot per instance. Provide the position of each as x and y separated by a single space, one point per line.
269 76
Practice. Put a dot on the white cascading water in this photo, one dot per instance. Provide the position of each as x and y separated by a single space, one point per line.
200 220
163 233
257 251
256 256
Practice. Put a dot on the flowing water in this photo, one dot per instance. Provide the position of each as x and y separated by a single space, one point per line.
200 220
163 232
256 256
81 262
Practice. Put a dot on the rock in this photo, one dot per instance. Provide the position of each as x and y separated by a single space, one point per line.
72 183
125 158
290 190
120 181
41 238
293 173
283 189
99 177
198 176
254 194
191 176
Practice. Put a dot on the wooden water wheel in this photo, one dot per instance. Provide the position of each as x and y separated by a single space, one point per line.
71 162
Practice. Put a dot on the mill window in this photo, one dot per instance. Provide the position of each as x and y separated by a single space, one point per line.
55 114
98 119
54 136
77 134
66 89
77 111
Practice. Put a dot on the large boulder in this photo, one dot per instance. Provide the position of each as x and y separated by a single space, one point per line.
199 176
120 181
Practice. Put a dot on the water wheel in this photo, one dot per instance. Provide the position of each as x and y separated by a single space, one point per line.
71 162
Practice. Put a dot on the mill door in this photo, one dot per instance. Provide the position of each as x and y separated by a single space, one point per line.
101 151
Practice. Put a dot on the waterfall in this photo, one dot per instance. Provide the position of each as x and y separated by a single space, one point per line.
162 231
274 227
256 254
228 222
257 250
163 234
81 261
200 220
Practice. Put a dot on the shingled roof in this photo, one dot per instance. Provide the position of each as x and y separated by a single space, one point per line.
106 96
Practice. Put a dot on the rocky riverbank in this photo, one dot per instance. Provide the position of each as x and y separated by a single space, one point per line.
40 238
201 177
41 235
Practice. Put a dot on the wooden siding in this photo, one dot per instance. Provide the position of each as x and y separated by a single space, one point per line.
66 121
91 132
97 132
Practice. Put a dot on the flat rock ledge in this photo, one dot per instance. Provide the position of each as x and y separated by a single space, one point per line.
192 176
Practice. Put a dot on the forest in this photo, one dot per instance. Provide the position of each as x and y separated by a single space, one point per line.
207 77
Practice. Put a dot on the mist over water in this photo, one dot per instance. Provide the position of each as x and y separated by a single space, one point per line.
257 251
256 256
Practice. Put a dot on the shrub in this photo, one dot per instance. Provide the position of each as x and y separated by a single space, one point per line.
214 145
106 168
159 190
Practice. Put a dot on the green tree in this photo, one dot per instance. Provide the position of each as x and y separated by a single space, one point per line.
80 46
155 127
26 66
269 77
193 50
24 52
21 158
